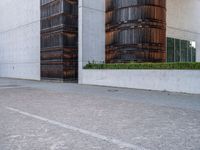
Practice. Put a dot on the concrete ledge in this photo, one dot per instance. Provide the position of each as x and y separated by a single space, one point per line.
186 81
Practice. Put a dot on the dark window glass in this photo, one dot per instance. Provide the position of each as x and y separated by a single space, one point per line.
170 50
189 51
193 55
184 44
193 51
177 50
181 50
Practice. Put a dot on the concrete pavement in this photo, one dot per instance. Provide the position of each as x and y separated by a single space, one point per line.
62 116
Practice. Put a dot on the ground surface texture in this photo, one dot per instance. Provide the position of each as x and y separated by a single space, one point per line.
65 116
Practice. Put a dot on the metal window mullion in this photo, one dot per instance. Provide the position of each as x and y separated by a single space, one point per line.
187 52
167 50
180 51
174 50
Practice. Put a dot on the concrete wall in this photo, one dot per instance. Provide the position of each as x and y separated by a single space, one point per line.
163 80
20 39
91 32
183 21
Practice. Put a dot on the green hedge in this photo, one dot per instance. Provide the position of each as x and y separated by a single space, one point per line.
178 66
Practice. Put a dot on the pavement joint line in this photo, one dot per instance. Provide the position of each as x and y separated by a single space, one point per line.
118 142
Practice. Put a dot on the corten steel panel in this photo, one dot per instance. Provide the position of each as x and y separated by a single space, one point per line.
59 39
135 30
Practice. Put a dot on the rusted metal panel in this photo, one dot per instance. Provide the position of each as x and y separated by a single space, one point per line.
59 39
135 30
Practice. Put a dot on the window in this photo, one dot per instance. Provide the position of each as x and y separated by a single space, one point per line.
181 50
184 44
193 51
170 50
177 50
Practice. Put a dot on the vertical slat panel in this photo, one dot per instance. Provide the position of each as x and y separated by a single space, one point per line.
135 30
59 39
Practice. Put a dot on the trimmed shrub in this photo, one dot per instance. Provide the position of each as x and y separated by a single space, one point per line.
158 66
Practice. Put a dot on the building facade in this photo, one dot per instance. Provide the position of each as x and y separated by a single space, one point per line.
183 36
20 39
59 40
35 43
135 31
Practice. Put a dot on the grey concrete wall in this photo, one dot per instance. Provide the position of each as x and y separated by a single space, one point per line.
183 21
91 32
186 81
20 39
